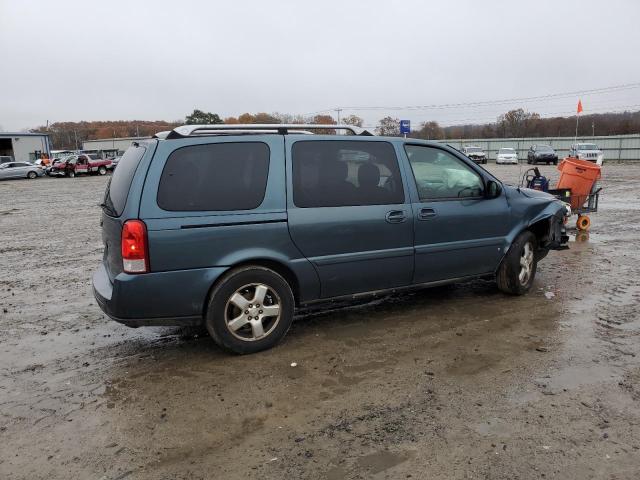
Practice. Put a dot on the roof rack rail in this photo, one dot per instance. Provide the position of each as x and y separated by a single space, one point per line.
255 128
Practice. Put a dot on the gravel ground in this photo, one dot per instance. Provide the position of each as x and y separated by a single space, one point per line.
448 383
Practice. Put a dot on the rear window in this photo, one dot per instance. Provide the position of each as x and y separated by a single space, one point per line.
118 188
343 173
214 177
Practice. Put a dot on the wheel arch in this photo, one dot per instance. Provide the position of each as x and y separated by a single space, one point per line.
277 266
540 226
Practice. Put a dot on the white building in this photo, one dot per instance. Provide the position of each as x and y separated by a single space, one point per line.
24 147
110 147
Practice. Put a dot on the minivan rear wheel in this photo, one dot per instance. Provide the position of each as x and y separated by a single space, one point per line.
251 309
518 268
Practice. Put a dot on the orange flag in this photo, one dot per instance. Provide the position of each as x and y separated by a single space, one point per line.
579 106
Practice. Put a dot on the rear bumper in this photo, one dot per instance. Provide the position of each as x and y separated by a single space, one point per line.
162 298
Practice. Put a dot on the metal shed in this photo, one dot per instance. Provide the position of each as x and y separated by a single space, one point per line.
24 147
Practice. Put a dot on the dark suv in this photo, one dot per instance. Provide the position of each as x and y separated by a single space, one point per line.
542 154
234 228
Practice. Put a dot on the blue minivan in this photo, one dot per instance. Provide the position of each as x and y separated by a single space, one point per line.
235 226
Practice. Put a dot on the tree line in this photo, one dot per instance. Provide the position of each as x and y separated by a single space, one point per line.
519 123
512 124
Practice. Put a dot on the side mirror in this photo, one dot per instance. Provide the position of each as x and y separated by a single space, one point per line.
493 189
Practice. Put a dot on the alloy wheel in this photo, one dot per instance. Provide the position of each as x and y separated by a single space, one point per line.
252 312
526 264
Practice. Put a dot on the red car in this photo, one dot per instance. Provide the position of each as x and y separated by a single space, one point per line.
77 164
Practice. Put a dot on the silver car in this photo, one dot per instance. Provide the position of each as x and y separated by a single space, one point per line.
19 170
587 151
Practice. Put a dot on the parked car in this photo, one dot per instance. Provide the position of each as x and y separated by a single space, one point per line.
507 155
541 154
5 159
587 151
475 153
19 170
80 164
222 231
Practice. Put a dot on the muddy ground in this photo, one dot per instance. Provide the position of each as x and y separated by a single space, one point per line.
449 383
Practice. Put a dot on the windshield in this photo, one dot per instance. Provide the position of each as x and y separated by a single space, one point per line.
507 150
473 149
587 146
544 148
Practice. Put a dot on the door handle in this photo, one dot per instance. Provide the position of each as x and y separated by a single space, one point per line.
395 216
426 213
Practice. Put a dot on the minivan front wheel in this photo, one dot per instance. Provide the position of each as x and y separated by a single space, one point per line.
251 309
518 268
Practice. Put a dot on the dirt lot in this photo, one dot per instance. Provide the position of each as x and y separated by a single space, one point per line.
460 382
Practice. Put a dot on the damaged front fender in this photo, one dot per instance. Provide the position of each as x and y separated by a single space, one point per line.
541 213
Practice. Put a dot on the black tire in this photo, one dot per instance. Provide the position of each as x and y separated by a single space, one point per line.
32 175
220 307
555 162
71 174
509 273
102 171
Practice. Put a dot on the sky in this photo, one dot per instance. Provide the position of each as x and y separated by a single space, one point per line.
69 60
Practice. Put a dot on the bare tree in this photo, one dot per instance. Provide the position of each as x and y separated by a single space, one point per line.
354 120
389 127
430 131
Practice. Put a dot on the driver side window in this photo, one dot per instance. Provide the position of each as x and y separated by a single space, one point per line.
440 175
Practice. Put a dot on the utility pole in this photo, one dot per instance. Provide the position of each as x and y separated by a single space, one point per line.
338 110
593 128
75 134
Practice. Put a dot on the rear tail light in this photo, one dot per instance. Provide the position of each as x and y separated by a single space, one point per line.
135 249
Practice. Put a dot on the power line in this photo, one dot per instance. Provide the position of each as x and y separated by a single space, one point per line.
593 91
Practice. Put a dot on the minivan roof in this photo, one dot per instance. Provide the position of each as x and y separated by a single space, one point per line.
270 128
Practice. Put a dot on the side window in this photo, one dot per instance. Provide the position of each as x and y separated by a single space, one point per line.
345 173
217 176
440 175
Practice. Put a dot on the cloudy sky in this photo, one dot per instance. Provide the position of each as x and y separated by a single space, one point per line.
68 60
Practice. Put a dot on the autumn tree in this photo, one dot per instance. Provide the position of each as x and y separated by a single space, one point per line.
246 118
198 117
389 127
263 117
324 120
430 131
